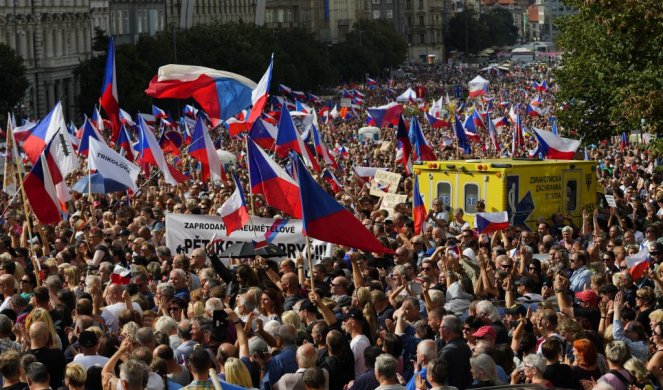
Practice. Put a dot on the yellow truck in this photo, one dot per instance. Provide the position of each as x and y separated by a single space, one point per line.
526 189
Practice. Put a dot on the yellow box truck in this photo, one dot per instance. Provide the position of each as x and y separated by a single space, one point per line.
526 189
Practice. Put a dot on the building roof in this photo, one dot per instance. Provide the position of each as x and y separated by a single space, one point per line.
533 13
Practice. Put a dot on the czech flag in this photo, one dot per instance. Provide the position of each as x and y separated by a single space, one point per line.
44 132
422 151
149 152
325 219
269 179
221 94
366 174
236 126
540 86
171 141
501 122
260 94
288 139
39 185
492 133
333 182
404 146
387 114
202 149
321 149
233 211
492 222
109 98
263 133
284 89
419 214
126 119
478 120
461 137
622 144
370 81
535 111
436 123
124 143
556 147
97 120
121 275
159 113
88 132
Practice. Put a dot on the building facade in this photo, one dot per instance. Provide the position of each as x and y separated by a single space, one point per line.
549 10
53 37
424 30
129 19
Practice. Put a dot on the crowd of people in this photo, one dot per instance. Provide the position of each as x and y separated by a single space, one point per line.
553 305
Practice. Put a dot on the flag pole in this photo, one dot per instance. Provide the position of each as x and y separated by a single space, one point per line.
35 262
310 263
248 170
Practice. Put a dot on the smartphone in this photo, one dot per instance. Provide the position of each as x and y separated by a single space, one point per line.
220 318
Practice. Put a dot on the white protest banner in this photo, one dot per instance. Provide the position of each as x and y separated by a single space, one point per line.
389 201
111 165
611 200
186 232
384 182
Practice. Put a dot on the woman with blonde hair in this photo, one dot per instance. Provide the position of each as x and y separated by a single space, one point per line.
195 309
290 318
637 369
39 314
237 373
71 276
361 298
74 377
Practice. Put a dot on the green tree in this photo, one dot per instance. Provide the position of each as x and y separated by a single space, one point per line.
465 25
12 79
611 76
501 30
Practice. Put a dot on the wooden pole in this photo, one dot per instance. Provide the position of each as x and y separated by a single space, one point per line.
310 263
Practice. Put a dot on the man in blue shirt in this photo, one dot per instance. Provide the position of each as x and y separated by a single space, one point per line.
426 352
285 362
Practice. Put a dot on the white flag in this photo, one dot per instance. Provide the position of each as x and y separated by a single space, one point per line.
111 165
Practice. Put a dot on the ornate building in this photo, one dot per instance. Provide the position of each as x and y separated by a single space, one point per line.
52 36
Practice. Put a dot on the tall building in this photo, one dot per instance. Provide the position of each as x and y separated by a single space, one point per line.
549 10
129 19
53 37
424 29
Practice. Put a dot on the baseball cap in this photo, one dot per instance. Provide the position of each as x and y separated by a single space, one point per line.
308 306
484 331
526 281
87 339
587 296
355 314
516 309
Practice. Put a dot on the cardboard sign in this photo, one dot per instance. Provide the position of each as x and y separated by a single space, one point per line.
384 183
611 200
389 201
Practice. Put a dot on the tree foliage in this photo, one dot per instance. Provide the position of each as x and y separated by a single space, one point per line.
492 28
12 78
300 61
611 76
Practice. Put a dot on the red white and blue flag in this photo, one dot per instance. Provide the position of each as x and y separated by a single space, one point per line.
260 94
322 215
638 264
333 182
88 132
263 133
387 114
221 94
124 142
202 149
492 133
149 152
289 139
404 146
233 211
268 178
321 149
555 147
422 151
419 214
39 185
492 222
44 132
109 99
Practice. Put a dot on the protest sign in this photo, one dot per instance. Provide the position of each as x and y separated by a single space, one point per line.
384 182
389 201
186 232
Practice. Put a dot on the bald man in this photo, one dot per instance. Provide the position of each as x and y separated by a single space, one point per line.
116 304
290 288
306 357
8 290
53 358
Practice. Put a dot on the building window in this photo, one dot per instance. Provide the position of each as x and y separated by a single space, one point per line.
421 4
421 20
409 22
408 4
388 1
389 14
376 14
375 2
422 38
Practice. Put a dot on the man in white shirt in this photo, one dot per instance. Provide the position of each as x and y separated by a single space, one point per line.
88 357
117 300
353 325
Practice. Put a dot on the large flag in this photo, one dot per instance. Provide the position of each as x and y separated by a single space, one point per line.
233 211
149 152
387 114
12 158
325 219
461 137
333 182
419 214
263 133
321 149
124 143
422 151
40 190
89 132
269 179
43 132
492 222
404 146
555 147
260 93
289 139
221 94
202 149
111 165
109 99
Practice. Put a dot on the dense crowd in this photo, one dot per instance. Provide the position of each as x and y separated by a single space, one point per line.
449 309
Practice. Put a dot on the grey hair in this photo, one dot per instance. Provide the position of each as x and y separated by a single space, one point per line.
135 373
165 325
536 361
213 304
145 336
485 363
288 334
428 349
385 366
617 352
166 290
453 324
486 308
